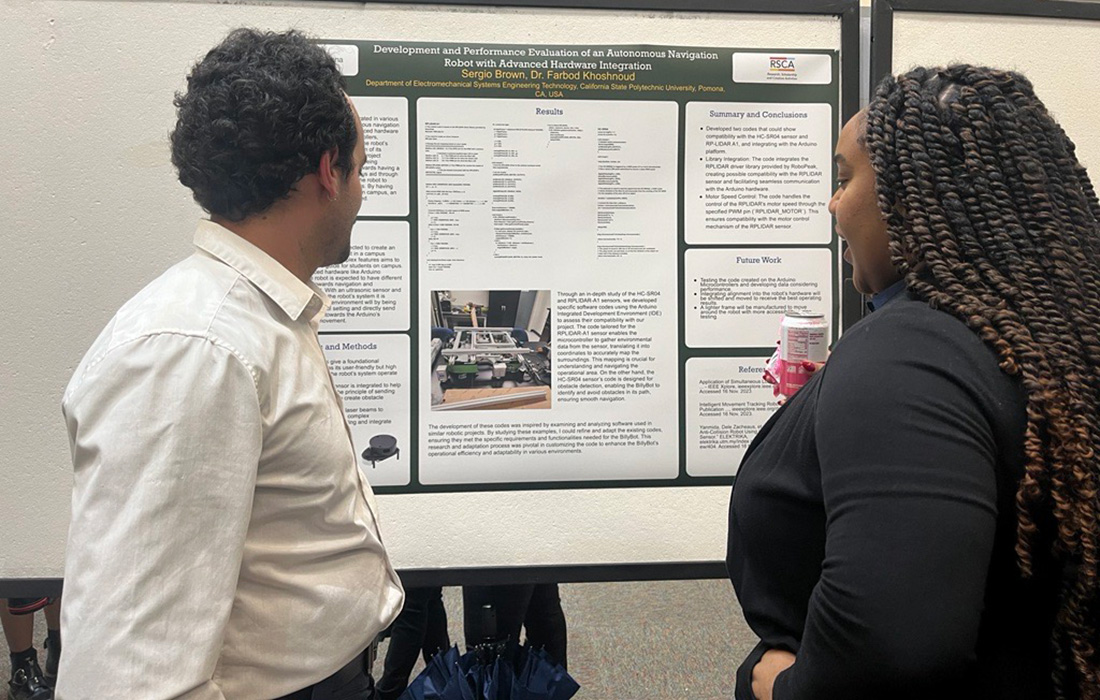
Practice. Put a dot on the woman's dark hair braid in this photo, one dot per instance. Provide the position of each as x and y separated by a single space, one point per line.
992 218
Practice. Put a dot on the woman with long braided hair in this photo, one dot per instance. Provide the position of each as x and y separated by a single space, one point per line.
922 520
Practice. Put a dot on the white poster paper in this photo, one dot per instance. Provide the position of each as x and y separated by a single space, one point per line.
577 198
727 404
737 298
371 373
370 291
385 176
757 173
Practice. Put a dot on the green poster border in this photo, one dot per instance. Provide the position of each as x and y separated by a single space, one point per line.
763 93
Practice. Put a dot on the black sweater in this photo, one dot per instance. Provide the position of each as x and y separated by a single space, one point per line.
872 525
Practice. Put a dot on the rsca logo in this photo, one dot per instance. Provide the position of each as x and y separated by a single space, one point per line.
780 65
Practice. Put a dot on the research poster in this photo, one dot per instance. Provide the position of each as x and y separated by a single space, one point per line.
571 262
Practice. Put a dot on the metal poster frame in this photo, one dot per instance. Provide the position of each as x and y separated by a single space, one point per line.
882 20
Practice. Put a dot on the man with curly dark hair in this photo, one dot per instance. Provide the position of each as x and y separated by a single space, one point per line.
224 543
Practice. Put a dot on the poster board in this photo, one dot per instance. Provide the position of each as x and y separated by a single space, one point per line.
1052 43
97 198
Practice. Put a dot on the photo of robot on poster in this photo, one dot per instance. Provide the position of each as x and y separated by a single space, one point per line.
490 350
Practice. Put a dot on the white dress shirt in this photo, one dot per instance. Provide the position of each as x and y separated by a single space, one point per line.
224 542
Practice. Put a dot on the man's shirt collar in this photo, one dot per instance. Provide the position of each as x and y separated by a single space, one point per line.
293 296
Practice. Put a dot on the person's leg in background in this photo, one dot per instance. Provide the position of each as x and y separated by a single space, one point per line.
27 681
508 601
436 636
408 637
545 622
53 641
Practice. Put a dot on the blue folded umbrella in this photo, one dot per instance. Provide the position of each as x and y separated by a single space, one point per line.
543 679
499 683
442 679
516 674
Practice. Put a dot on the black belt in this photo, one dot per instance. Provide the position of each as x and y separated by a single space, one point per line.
351 670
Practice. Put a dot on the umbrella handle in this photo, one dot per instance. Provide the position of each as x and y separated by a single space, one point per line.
485 629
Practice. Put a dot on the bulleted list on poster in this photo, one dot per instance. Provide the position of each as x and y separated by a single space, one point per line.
757 173
736 297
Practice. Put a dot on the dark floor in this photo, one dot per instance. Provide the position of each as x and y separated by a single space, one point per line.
674 640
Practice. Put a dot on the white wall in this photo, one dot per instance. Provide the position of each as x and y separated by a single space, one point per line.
540 311
91 212
1059 56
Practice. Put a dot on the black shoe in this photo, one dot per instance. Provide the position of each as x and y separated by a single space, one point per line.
27 682
53 658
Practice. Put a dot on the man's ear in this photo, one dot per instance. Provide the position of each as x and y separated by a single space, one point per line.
328 174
